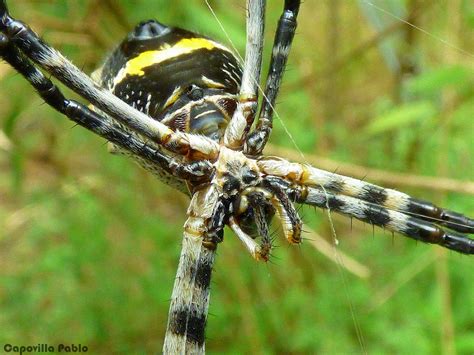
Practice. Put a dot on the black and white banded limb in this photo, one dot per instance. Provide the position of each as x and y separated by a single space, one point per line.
53 62
213 151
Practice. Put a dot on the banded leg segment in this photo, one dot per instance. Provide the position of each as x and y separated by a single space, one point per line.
244 114
391 199
380 216
190 298
280 52
185 333
194 147
93 121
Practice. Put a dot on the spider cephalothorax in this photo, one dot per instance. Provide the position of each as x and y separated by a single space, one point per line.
253 198
179 103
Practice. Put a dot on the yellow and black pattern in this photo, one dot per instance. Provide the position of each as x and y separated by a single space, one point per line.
178 77
174 80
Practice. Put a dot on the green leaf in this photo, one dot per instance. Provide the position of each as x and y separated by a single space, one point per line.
401 117
433 81
463 114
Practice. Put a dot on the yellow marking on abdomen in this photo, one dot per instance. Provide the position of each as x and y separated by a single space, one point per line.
136 66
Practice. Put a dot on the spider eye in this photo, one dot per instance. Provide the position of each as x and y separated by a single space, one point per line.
195 93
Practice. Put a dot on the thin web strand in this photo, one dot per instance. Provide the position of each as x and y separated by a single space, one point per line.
429 34
339 259
256 81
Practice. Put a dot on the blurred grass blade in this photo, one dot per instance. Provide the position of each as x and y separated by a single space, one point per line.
432 81
401 117
325 248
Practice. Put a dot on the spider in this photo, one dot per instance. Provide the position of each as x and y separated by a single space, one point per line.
208 149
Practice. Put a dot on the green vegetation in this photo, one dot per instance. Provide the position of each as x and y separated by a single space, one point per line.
89 242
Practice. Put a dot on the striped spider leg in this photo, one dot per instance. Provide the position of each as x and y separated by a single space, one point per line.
180 104
281 49
129 128
394 210
96 122
142 137
238 135
237 176
386 208
32 47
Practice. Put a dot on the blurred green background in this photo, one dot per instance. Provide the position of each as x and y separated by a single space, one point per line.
89 242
